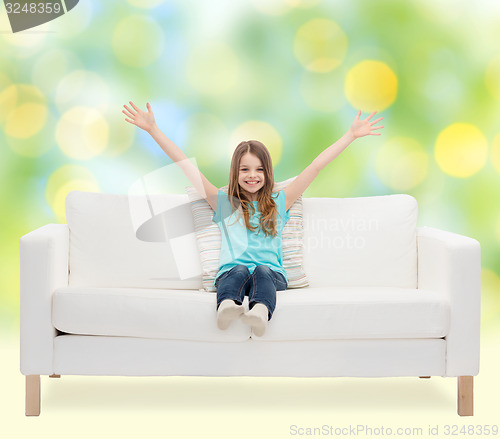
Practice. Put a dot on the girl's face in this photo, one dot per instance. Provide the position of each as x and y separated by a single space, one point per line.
251 175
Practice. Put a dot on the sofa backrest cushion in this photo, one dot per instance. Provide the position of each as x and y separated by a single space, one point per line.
365 241
132 241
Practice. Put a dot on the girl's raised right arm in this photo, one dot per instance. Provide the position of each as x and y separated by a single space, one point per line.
146 121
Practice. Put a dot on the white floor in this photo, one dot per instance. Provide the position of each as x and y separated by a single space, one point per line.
182 407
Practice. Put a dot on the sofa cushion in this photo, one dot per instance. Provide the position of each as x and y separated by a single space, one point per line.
365 241
308 314
147 313
358 313
209 239
141 241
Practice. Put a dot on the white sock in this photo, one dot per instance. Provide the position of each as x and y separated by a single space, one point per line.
257 319
227 312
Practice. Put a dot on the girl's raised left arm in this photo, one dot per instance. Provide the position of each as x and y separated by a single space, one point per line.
359 128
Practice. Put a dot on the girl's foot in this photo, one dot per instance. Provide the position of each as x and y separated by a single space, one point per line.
227 312
257 319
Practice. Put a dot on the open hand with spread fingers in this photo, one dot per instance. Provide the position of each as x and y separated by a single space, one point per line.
361 128
142 119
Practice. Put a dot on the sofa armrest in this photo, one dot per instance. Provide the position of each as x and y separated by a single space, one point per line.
44 255
451 264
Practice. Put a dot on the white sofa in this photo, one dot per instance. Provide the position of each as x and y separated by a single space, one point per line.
101 296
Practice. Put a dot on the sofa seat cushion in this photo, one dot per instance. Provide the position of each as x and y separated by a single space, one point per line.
147 313
318 313
314 313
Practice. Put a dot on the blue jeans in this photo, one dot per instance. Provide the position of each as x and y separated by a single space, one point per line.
260 286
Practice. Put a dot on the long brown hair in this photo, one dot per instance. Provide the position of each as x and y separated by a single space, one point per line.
265 202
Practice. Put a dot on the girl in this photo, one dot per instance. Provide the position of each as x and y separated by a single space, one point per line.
250 216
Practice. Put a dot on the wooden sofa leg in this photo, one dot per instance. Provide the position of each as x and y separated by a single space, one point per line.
465 395
32 407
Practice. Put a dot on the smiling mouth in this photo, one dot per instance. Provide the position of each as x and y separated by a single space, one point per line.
252 183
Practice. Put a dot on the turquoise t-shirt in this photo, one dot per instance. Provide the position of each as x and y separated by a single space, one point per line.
240 246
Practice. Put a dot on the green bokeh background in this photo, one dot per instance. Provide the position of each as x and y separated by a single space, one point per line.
210 68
